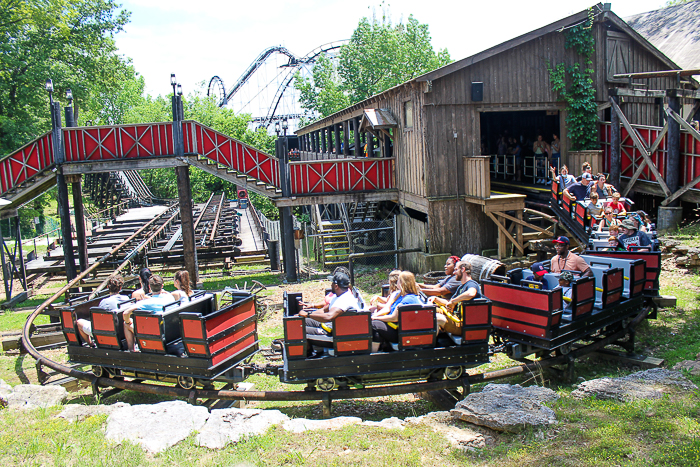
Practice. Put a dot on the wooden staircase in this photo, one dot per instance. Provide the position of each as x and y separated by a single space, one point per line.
234 176
334 245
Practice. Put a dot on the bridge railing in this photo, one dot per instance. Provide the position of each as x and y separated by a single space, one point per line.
25 163
342 175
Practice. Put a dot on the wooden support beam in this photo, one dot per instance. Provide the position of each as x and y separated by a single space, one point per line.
543 215
643 149
505 232
520 221
184 192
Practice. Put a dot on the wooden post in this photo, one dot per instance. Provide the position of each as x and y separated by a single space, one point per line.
370 144
323 140
673 164
358 143
329 134
184 193
336 129
519 228
615 140
346 138
286 217
78 209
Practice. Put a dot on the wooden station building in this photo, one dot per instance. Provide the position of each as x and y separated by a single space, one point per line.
434 128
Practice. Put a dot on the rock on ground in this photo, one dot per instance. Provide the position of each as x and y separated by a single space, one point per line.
506 407
78 413
693 366
299 425
156 427
393 423
5 390
455 431
32 396
649 384
231 425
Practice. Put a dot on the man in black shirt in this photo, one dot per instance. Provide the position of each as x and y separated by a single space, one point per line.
578 191
468 290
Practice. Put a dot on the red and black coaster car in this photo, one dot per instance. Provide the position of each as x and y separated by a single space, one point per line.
524 310
223 334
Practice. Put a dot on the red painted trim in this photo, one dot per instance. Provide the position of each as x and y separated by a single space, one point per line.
422 339
71 337
229 319
476 335
295 329
518 327
151 344
233 337
417 320
106 340
250 340
198 349
103 322
192 329
523 316
476 314
67 318
352 346
147 325
514 295
295 350
351 325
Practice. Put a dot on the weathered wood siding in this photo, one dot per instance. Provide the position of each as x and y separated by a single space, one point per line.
411 233
458 227
516 79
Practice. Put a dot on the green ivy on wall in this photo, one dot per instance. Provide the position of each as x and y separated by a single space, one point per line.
579 95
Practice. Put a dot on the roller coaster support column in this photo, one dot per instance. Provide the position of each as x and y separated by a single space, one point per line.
286 218
63 203
615 142
673 166
184 193
79 212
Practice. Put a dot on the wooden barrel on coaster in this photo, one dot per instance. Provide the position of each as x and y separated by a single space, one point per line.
483 267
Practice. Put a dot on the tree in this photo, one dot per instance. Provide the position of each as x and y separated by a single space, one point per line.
670 3
70 41
380 55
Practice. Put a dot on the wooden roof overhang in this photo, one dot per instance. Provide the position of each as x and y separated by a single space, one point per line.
377 121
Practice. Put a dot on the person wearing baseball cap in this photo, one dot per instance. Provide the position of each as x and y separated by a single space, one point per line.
564 260
632 237
538 272
579 190
320 322
565 280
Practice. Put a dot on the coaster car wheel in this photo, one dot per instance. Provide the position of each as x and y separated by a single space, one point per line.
326 384
186 382
454 372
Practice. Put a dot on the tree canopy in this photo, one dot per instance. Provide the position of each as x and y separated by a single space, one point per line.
70 41
380 55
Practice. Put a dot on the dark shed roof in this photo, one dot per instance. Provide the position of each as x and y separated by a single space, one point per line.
673 30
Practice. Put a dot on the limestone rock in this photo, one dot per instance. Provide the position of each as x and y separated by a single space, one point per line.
649 384
5 390
231 425
32 396
506 407
682 260
458 433
156 427
693 366
78 413
299 425
681 250
393 423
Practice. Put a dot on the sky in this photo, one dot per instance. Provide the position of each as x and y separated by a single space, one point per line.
197 39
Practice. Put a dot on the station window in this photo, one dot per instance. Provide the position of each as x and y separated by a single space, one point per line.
408 114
